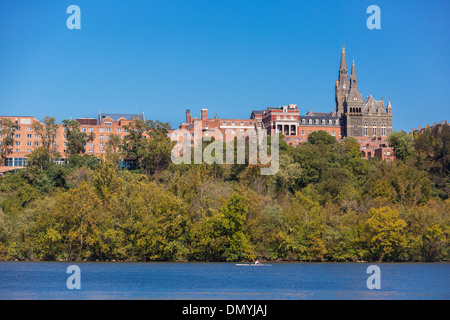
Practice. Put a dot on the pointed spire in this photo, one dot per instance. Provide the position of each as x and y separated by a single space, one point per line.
353 79
389 106
342 82
343 65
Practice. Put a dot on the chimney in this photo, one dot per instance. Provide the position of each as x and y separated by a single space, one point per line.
188 116
204 114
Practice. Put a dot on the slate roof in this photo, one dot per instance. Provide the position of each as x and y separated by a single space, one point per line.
117 116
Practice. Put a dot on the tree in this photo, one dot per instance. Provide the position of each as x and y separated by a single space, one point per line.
402 143
76 140
321 137
385 234
114 148
40 158
156 149
132 142
48 131
7 130
432 148
232 227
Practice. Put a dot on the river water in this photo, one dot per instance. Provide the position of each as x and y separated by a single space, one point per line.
223 281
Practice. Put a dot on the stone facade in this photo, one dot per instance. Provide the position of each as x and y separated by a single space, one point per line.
360 118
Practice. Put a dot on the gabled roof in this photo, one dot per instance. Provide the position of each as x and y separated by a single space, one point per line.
370 104
116 116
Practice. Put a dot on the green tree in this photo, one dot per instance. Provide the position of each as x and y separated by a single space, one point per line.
114 148
156 149
7 130
48 131
385 234
133 141
321 137
76 140
40 158
402 143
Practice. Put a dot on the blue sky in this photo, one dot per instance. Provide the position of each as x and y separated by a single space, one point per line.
163 57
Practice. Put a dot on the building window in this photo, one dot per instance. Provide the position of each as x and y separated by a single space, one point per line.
101 144
101 130
317 121
18 143
108 129
333 133
303 132
90 144
83 129
119 130
36 144
232 123
101 137
383 129
91 129
374 129
310 121
36 136
29 136
28 143
242 123
365 129
303 121
18 136
108 123
323 121
29 128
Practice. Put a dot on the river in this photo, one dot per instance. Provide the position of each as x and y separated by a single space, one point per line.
223 281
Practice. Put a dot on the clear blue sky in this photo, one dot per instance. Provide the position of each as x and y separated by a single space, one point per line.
162 57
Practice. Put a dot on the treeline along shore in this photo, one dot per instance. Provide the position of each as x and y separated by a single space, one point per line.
325 203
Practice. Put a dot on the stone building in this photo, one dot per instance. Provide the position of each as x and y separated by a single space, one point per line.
360 118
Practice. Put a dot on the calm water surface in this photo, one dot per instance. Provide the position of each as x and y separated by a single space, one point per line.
47 280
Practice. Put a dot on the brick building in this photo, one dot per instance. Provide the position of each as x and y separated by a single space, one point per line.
26 139
368 120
